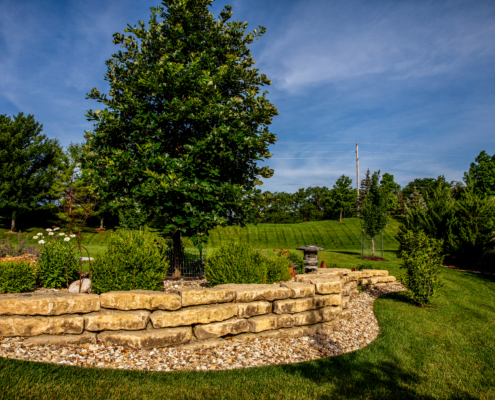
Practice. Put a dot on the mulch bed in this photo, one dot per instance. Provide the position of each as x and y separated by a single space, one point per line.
374 259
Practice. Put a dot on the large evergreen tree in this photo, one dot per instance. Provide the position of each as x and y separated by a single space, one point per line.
184 124
29 164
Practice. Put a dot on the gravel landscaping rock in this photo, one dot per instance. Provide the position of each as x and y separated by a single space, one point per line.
351 334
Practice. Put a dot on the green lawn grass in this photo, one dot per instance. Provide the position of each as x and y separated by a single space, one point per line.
443 352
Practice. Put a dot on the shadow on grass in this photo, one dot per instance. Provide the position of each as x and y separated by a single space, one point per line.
349 378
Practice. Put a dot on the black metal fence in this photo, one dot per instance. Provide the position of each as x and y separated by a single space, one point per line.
192 263
371 247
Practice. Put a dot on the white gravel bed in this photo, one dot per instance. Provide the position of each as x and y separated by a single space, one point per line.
348 335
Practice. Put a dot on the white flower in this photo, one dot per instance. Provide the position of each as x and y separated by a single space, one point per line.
66 239
61 234
56 229
72 236
39 234
41 242
35 237
48 230
50 233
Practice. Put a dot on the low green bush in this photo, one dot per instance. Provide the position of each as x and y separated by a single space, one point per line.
360 267
133 260
52 266
237 262
16 277
421 258
298 260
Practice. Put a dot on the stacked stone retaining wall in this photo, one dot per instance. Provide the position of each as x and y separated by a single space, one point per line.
189 317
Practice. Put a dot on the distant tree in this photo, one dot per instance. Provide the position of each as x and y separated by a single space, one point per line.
363 190
481 175
423 185
373 209
185 124
29 166
416 200
391 190
342 197
311 203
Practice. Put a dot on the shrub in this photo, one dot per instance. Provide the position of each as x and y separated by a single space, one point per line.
298 260
421 258
53 270
16 277
240 263
8 249
236 263
360 267
133 260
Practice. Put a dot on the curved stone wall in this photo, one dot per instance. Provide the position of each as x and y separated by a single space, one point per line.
193 317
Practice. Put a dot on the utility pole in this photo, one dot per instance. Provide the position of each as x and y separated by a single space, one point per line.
357 167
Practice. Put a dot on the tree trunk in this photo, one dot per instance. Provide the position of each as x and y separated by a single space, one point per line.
177 254
340 216
373 246
101 223
12 224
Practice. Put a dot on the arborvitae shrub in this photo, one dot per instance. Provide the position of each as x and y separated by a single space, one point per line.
298 260
52 264
16 277
133 260
421 258
240 263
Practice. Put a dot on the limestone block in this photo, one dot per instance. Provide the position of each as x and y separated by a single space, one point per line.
115 320
33 326
194 315
232 326
345 301
345 314
270 321
324 327
202 344
48 303
351 285
147 339
345 292
324 283
200 296
140 300
333 271
299 289
353 276
246 310
378 279
375 272
354 293
60 340
307 318
328 300
246 293
246 336
329 313
293 305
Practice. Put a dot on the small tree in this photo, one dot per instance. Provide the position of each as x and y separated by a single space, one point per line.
373 209
421 258
391 191
342 197
184 125
29 166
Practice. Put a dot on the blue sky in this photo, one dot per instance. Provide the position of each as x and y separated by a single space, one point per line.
417 79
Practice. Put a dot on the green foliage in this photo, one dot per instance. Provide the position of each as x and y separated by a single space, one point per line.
16 277
29 164
342 197
298 260
133 260
424 186
373 208
464 225
184 122
360 267
391 191
52 265
421 258
481 175
236 262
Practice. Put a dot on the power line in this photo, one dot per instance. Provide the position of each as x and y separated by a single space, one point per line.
381 144
378 152
365 158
